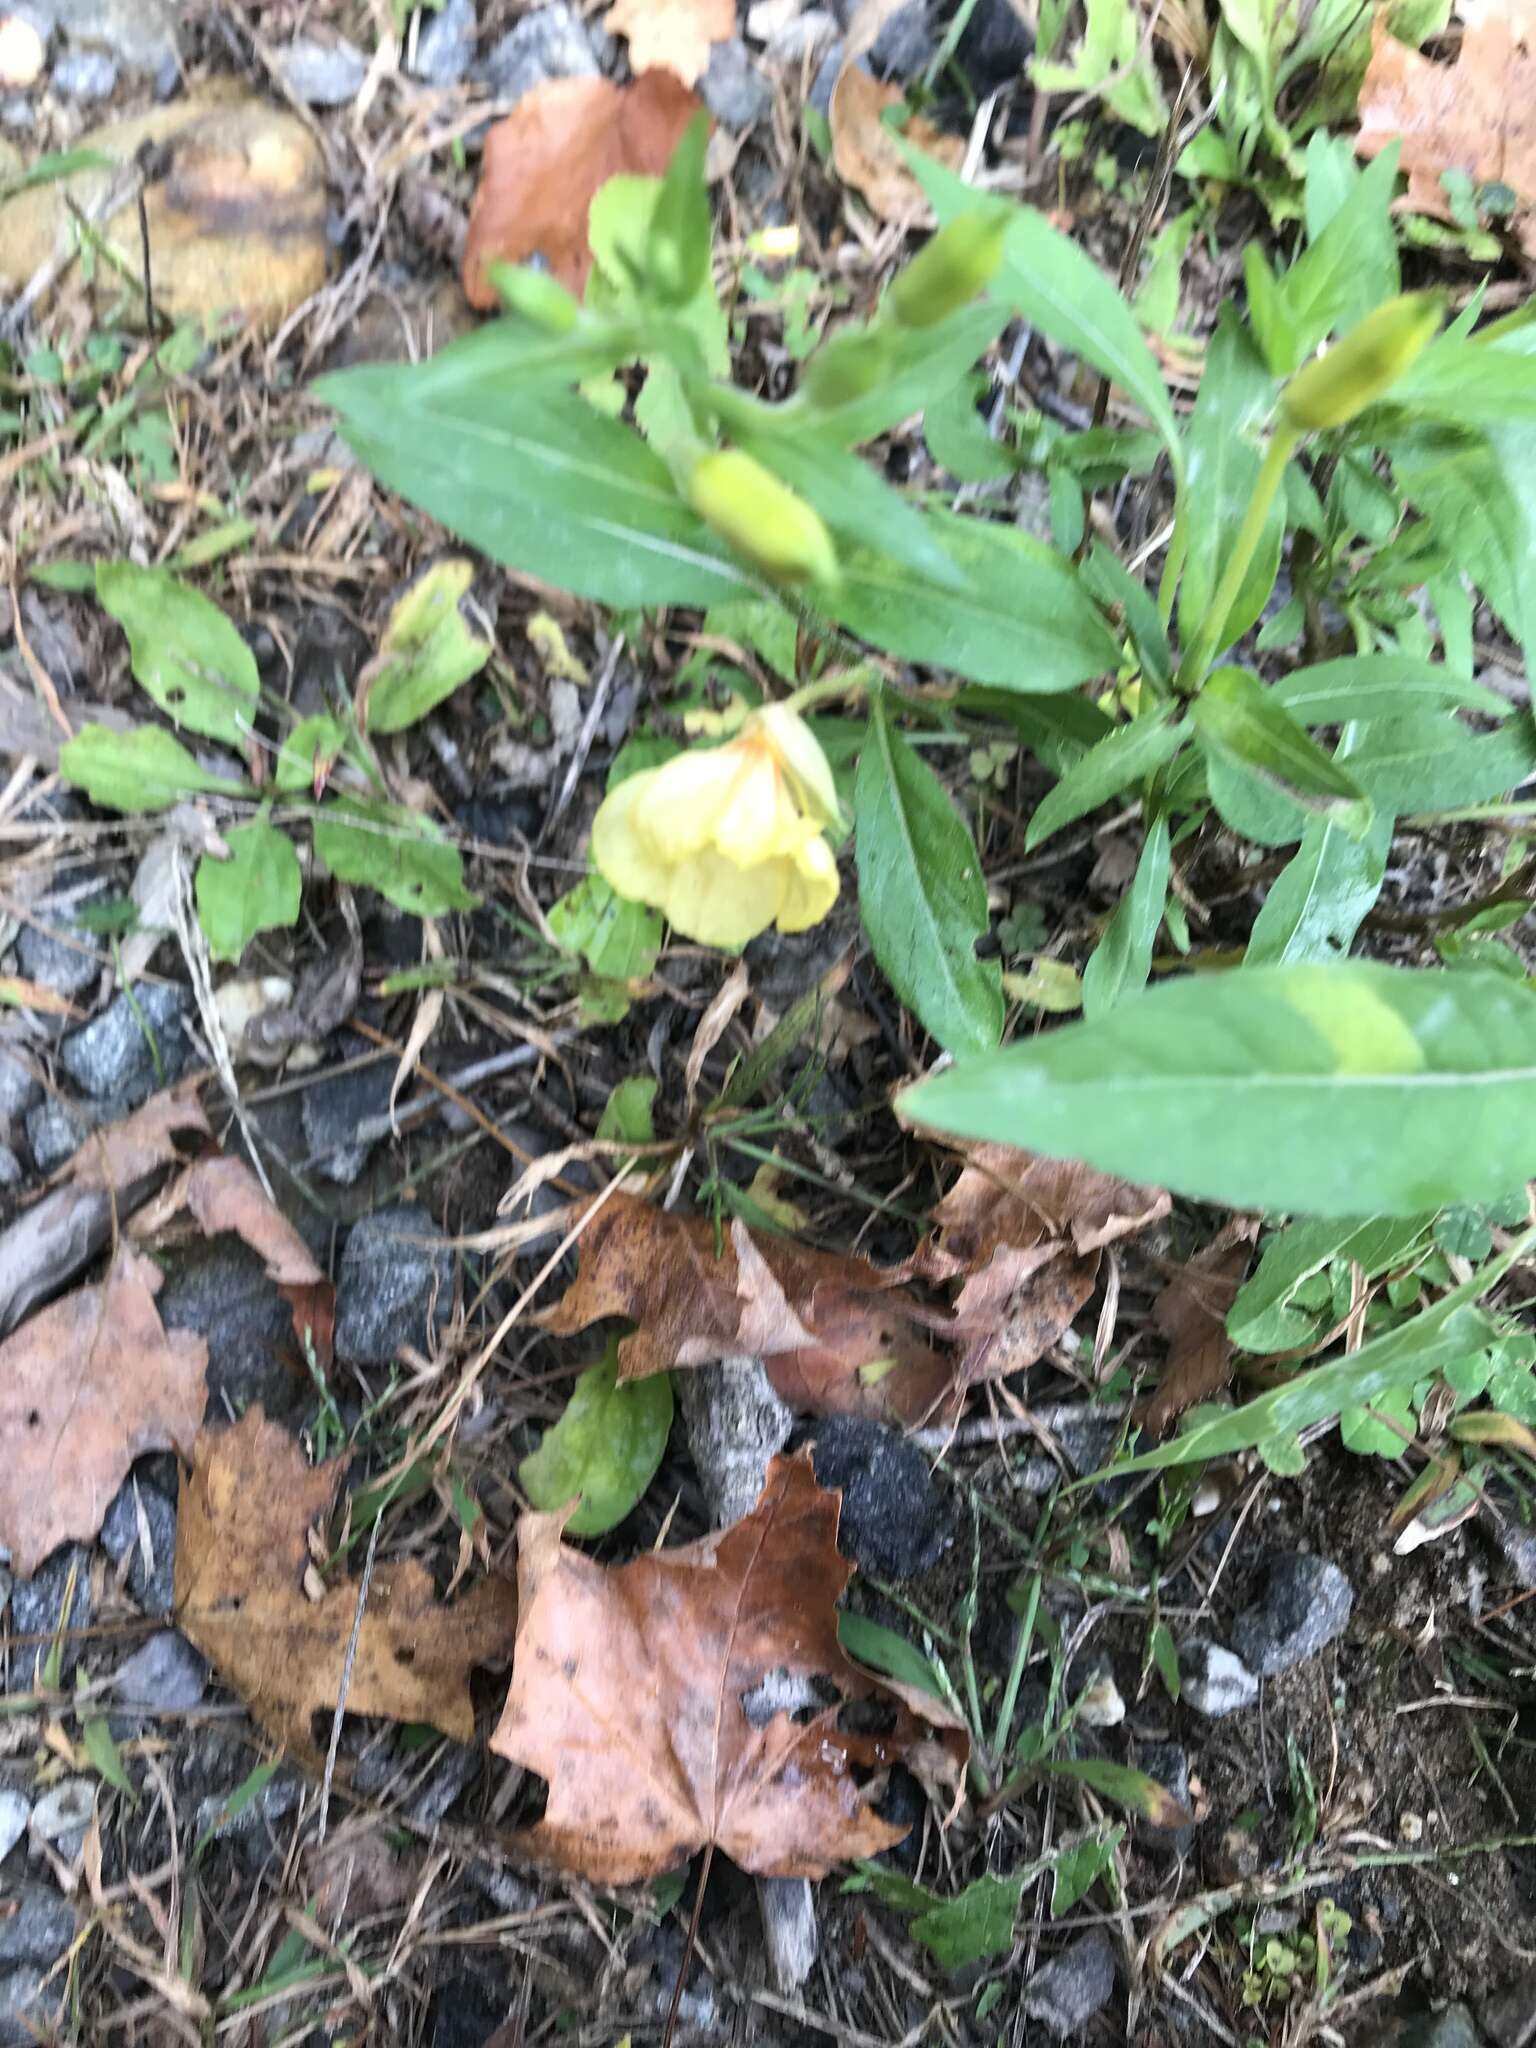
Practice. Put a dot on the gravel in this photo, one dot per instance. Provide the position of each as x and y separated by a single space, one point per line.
222 1292
15 1810
894 1521
85 75
323 74
549 43
164 1675
333 1110
63 1814
1301 1603
112 1056
1215 1682
39 1930
392 1290
56 1130
1168 1764
1071 1988
37 1608
445 46
22 2005
733 88
152 1579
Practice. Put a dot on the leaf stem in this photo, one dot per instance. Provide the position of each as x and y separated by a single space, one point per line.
1193 668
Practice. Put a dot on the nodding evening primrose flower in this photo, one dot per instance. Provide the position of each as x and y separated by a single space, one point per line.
726 841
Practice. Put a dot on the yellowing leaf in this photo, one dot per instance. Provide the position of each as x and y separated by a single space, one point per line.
672 35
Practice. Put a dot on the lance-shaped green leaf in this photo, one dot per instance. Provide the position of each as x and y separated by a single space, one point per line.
143 770
1128 755
1240 722
186 654
1368 686
1122 960
1317 1090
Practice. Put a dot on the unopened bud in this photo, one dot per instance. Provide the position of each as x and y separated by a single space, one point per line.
762 518
959 262
536 295
847 366
1363 365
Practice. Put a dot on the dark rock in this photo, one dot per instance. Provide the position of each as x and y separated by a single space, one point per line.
58 954
85 75
121 1536
37 1608
1215 1682
1169 1766
1509 2016
446 44
1451 2027
466 2012
549 43
112 1056
995 46
392 1289
15 1811
733 88
1071 1988
19 1087
40 1929
23 2003
18 113
166 1675
904 44
323 74
221 1291
11 1174
1301 1604
57 1129
335 1108
253 1824
63 1814
893 1521
57 644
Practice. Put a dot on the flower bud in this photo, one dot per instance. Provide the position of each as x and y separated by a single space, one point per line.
762 518
847 366
536 295
1363 365
960 261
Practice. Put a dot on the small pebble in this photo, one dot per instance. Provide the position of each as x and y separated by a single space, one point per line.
549 43
138 1513
63 1814
733 88
56 1130
113 1054
11 1174
323 74
395 1286
1214 1682
893 1519
165 1675
23 2002
1065 1994
1302 1602
445 44
85 75
39 1927
1168 1764
37 1608
15 1811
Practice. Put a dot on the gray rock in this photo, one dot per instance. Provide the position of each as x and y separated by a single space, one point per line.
323 74
1167 1763
23 2002
1214 1682
1451 2027
995 46
37 1608
549 43
335 1108
819 98
1301 1604
1070 1989
276 1799
57 1129
733 88
445 45
63 1814
893 1520
15 1810
11 1175
392 1290
85 75
904 44
221 1291
1509 2016
40 1929
166 1675
140 33
58 954
112 1056
151 1580
18 113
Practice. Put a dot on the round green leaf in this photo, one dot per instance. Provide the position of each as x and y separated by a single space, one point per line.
605 1447
256 890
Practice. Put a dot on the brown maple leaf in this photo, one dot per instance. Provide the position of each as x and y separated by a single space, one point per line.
1476 115
86 1386
837 1335
671 35
1191 1313
643 1693
546 160
242 1547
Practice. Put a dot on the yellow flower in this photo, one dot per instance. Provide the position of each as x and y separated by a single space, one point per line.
726 841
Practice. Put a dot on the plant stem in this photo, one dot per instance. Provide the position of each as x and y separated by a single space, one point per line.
846 683
1193 668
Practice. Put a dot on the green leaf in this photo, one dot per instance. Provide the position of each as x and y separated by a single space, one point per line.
1079 1866
1122 959
1318 902
858 504
1129 755
186 654
605 1447
883 1650
1369 1432
593 509
256 890
1365 686
1048 279
627 1114
921 892
142 770
1434 1338
1476 511
1264 1319
1350 267
320 737
427 650
1024 622
925 363
958 439
1112 62
1232 412
1059 729
1238 720
397 852
1107 577
1322 1090
1132 1790
1421 762
978 1923
106 1759
618 939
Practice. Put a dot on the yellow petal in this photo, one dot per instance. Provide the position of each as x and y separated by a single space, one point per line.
622 850
683 807
752 824
716 903
804 763
810 886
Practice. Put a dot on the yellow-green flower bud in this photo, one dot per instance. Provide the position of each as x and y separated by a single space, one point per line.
537 296
847 366
762 518
1363 365
960 261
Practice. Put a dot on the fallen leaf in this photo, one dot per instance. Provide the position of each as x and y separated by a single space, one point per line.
120 1154
242 1548
235 209
836 1334
1024 1234
672 35
1191 1313
644 1694
86 1386
864 151
1476 115
546 160
21 994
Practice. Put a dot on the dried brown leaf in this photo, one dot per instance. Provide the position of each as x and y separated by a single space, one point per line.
631 1689
242 1551
120 1154
545 161
864 152
838 1335
672 35
86 1386
1191 1313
